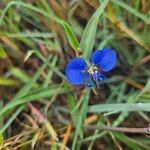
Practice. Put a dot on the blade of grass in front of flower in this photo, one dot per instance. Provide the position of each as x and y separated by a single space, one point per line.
80 119
120 107
71 37
88 38
132 11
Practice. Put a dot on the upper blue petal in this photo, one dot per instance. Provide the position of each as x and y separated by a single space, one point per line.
105 58
75 71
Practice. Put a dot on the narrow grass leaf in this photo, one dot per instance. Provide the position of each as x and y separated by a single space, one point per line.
20 74
133 144
11 119
120 107
80 120
29 35
72 104
29 85
88 38
71 37
34 95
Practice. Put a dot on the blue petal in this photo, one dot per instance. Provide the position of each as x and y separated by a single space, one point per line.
102 77
105 58
75 71
88 80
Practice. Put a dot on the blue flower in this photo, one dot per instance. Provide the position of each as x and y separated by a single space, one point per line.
79 72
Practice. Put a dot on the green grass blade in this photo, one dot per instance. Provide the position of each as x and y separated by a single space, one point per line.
133 144
88 38
72 104
28 86
71 37
11 119
20 74
80 120
29 35
120 107
34 95
132 11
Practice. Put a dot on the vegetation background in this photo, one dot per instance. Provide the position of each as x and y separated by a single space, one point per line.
39 109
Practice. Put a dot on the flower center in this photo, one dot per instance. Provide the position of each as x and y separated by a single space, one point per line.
92 69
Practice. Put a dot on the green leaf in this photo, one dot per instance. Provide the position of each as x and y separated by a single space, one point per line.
71 100
11 119
120 107
17 72
30 84
34 95
80 119
71 37
132 144
88 38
